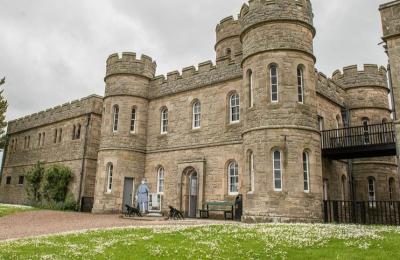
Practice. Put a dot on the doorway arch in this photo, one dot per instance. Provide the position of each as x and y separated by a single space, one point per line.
189 192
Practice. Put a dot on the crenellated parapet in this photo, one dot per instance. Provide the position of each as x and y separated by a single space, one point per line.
263 22
227 28
128 64
190 78
90 104
370 76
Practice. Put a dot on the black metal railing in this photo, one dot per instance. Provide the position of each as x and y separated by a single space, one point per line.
359 136
362 212
367 140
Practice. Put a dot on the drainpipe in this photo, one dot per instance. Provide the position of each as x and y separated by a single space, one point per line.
87 127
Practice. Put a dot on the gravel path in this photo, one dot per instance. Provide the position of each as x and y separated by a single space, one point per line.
45 222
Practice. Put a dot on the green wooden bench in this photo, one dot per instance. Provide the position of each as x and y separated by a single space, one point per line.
222 206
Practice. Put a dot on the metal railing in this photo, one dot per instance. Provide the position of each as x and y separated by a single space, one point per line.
362 212
359 136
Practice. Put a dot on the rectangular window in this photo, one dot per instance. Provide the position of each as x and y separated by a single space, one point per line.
8 180
21 180
277 171
306 172
196 115
164 121
55 135
234 108
133 121
300 85
274 83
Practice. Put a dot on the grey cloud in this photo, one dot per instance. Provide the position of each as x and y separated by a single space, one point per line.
55 51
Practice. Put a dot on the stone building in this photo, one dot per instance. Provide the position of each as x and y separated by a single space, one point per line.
249 124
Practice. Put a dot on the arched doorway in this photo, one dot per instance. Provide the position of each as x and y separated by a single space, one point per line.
190 190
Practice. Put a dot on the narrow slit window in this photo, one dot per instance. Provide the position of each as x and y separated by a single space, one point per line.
300 85
277 170
274 83
115 118
306 172
133 120
196 115
234 108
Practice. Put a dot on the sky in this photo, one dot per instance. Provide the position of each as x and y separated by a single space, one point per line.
53 52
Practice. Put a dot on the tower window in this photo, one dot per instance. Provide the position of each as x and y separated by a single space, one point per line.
133 120
371 191
250 83
164 121
78 132
196 115
365 123
306 172
274 83
277 170
234 108
251 171
115 118
300 85
392 189
8 180
344 180
233 178
110 169
21 180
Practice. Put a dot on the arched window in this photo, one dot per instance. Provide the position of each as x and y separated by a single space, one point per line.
110 169
251 171
277 170
344 179
300 85
196 115
43 138
228 53
274 83
160 180
73 132
234 108
233 178
250 83
78 132
306 172
164 121
371 190
133 120
115 118
392 189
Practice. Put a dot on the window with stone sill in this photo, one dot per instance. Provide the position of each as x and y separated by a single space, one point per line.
110 169
133 120
164 121
274 83
160 180
233 178
21 180
306 172
115 118
196 115
234 108
300 85
277 170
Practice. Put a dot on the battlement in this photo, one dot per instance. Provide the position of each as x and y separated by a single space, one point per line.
129 64
90 104
329 89
258 11
390 13
206 73
228 27
371 75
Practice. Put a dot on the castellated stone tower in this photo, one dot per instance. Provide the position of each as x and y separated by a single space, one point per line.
228 39
123 135
281 111
390 13
367 100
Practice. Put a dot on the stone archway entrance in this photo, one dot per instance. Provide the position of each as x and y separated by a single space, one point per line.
190 191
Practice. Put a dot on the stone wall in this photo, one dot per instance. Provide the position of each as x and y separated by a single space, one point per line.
79 154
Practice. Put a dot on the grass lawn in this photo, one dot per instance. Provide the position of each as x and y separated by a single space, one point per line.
230 241
6 209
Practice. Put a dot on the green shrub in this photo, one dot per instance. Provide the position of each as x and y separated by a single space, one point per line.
55 183
33 179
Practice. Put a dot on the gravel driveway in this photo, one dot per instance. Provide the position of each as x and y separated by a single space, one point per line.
45 222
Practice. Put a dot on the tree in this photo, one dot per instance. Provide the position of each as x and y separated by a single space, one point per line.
34 179
3 110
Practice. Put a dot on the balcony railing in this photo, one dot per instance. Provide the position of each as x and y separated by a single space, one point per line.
361 141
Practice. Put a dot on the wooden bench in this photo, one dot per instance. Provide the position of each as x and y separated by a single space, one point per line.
222 206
